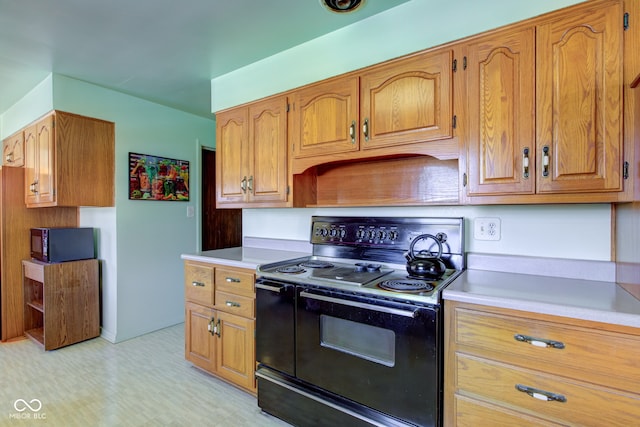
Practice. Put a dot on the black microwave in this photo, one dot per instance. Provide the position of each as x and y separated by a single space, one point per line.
62 244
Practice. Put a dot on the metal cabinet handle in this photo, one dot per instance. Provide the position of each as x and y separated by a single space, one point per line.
539 342
250 186
194 283
372 307
352 132
216 329
365 129
232 304
243 184
34 187
211 326
545 160
232 280
541 394
525 162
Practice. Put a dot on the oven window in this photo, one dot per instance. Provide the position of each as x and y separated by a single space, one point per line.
358 339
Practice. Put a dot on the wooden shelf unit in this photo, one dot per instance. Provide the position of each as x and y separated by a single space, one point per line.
61 302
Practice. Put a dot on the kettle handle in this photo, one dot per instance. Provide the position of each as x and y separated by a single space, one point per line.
425 237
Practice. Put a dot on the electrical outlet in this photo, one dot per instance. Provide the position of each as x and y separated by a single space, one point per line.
190 212
486 229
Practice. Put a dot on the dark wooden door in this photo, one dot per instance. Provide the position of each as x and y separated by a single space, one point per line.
221 228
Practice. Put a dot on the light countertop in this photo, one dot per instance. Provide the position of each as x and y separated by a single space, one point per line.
254 252
594 300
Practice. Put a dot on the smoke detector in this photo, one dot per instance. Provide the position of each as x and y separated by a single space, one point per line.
342 6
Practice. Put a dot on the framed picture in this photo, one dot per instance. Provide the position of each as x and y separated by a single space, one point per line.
158 178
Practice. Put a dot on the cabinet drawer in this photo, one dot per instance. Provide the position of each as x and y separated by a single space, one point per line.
560 348
473 413
237 281
33 271
236 304
198 283
579 403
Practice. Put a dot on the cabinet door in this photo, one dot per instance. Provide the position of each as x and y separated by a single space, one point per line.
267 181
199 340
579 101
325 118
232 139
500 106
40 163
236 358
13 150
407 101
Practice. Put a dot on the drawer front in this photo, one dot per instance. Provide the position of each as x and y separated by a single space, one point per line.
572 401
551 346
198 283
236 304
34 271
237 281
473 413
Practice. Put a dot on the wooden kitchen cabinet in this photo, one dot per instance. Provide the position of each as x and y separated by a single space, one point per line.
574 142
69 161
404 101
220 321
251 164
532 369
13 150
62 302
501 107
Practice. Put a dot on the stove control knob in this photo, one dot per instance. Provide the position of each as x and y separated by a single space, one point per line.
382 234
393 235
361 233
342 233
324 232
333 232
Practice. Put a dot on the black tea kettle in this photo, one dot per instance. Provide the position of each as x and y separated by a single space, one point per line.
424 265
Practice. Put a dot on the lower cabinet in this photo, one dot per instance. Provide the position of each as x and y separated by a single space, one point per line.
220 321
508 367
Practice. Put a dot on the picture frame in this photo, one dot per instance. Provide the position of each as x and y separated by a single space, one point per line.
158 178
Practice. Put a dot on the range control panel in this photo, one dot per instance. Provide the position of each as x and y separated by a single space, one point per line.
383 232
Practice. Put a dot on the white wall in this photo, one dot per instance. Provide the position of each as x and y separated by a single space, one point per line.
139 242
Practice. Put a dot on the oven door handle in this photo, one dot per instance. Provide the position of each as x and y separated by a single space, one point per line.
383 309
269 288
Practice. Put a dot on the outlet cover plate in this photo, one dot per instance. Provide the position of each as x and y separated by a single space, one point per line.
486 229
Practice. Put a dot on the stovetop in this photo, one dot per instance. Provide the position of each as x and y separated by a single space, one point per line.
365 255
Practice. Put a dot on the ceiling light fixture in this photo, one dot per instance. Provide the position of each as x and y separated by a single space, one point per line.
342 6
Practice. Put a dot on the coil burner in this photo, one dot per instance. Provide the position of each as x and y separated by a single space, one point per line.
406 285
316 264
291 269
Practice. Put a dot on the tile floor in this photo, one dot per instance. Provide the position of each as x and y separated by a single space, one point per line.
140 382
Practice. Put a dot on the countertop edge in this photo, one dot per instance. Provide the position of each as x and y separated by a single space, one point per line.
622 319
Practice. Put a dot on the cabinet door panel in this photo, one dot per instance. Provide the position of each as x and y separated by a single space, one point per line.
232 145
236 351
501 114
579 113
30 164
268 153
46 177
199 343
407 101
13 150
326 118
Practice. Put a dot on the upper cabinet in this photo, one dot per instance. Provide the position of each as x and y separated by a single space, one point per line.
13 150
555 130
377 112
251 160
69 161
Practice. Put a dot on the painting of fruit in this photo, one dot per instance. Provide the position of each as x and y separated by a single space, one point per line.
158 178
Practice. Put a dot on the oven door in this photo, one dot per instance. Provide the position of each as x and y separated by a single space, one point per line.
382 354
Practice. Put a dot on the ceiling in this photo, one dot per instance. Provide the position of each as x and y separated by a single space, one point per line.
165 51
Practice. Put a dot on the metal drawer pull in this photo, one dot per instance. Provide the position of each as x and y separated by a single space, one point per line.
541 394
269 288
232 304
381 309
194 283
352 132
232 280
545 161
525 162
539 342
